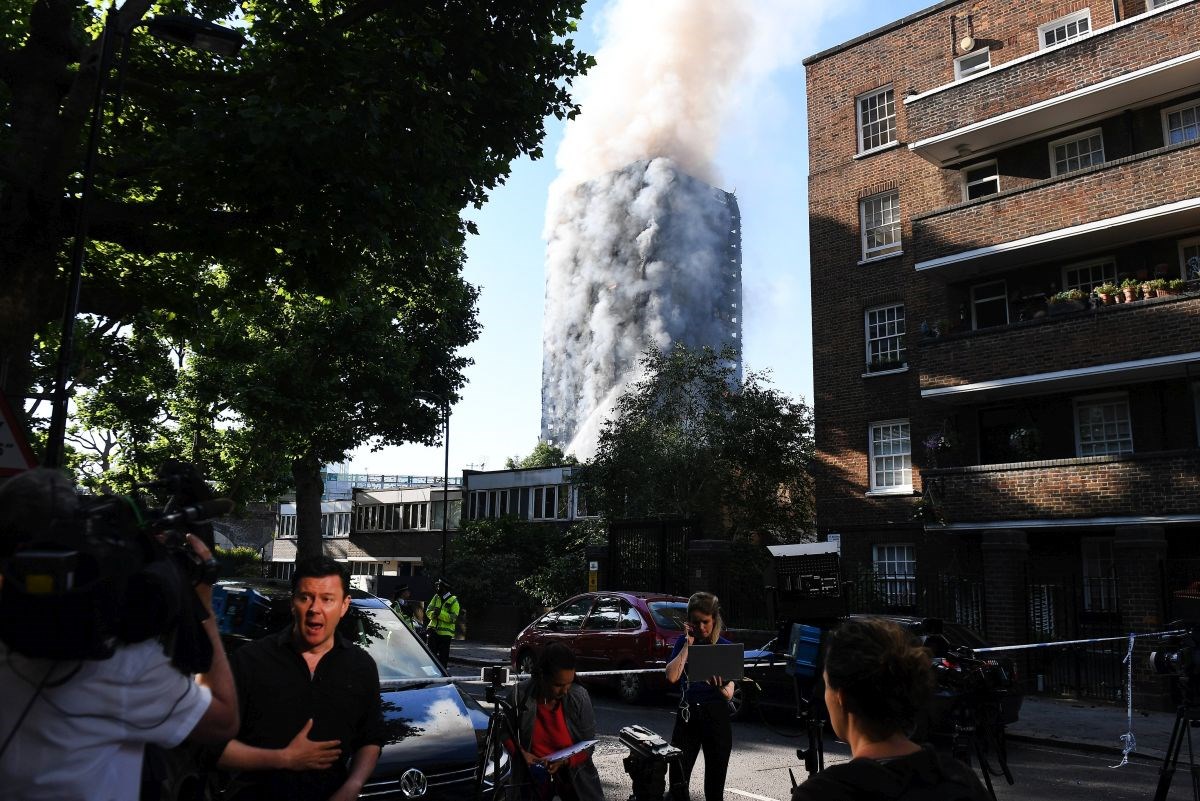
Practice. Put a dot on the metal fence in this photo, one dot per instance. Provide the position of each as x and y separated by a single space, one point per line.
649 555
1067 608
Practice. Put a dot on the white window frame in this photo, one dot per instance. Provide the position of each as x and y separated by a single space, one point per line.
540 497
1153 4
960 73
905 468
1194 106
1098 564
1117 399
891 248
1076 139
976 299
1196 403
898 328
1063 22
967 184
895 568
1080 265
1184 245
860 124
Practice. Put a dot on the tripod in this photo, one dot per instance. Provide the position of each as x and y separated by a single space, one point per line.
494 770
1187 717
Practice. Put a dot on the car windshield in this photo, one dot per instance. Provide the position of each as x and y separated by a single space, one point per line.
669 614
395 649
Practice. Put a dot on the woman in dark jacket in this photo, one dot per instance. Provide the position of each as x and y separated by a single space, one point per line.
553 713
702 723
877 678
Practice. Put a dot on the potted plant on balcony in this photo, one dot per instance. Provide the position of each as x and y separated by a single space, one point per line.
1149 289
1108 293
1170 288
1068 301
1130 287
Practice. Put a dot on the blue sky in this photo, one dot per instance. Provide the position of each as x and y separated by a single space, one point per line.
762 156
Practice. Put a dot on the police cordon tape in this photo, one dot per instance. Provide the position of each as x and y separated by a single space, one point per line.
1061 643
513 678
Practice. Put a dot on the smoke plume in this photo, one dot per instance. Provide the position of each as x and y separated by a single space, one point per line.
639 252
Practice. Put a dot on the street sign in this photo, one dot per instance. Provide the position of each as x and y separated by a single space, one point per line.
15 455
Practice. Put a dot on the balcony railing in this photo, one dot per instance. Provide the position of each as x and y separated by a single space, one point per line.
1130 199
1141 57
1132 485
1034 354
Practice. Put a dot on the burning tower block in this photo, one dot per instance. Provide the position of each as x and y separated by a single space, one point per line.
646 255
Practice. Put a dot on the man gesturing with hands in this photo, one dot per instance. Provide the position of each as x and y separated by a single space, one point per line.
312 727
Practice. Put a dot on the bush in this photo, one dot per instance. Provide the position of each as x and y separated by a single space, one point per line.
240 562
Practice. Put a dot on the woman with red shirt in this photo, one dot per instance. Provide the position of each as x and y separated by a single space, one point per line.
554 713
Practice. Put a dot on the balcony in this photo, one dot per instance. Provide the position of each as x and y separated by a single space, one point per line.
1147 56
1113 345
1097 489
1136 198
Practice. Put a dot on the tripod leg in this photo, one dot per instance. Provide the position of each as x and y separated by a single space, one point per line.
984 769
1167 771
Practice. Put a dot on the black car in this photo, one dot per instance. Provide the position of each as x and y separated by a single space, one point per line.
435 729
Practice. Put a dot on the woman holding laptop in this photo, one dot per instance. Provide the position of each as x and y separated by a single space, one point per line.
702 722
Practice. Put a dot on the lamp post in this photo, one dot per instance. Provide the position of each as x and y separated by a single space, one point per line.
175 28
445 404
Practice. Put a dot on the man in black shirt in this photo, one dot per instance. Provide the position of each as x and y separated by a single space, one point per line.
310 700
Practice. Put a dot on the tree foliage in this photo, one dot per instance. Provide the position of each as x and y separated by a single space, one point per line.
543 455
693 440
529 565
276 239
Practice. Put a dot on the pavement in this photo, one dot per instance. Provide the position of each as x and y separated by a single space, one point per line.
1066 723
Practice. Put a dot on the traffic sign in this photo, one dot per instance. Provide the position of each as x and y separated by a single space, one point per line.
15 455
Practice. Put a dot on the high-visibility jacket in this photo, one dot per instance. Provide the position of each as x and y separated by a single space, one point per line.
442 614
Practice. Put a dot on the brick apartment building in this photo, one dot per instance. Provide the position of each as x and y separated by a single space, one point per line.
1025 463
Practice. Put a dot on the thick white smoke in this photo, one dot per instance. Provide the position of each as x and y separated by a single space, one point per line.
637 253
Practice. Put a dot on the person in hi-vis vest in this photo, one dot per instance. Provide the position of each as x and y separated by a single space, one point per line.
441 620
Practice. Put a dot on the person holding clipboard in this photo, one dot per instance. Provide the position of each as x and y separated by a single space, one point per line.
702 723
556 728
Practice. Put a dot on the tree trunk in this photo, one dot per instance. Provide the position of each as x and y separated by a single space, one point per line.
306 473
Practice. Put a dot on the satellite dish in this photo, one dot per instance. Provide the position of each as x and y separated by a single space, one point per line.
966 44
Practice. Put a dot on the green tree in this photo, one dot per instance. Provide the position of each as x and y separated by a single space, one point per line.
692 440
543 455
347 136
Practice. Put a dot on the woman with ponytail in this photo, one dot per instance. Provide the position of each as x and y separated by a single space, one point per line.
553 712
877 679
702 722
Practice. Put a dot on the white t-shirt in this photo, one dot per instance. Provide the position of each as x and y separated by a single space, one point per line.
85 738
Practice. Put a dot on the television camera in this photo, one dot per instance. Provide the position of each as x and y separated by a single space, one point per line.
106 569
808 599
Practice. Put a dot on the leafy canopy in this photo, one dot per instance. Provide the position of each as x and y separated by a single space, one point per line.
693 439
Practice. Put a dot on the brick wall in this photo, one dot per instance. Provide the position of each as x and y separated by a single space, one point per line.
1105 55
1094 486
1139 330
1126 185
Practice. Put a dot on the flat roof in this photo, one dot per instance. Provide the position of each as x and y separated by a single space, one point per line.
891 26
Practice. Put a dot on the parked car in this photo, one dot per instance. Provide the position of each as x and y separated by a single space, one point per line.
778 688
435 728
610 631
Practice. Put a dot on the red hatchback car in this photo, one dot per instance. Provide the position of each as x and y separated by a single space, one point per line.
609 631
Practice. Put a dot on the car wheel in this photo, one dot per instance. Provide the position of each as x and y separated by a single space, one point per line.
525 663
631 686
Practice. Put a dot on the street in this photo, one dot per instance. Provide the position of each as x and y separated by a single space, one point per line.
761 758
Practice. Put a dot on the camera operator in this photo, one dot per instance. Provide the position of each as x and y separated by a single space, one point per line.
876 681
78 728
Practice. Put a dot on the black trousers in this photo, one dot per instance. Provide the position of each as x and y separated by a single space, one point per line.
708 730
440 645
